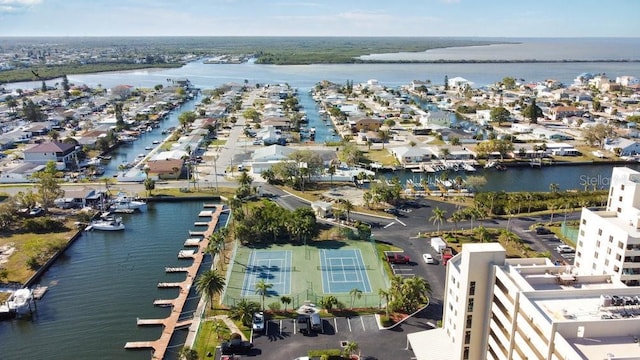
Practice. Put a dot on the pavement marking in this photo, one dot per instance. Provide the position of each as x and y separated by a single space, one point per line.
280 326
294 327
403 224
362 321
389 224
284 196
349 322
335 325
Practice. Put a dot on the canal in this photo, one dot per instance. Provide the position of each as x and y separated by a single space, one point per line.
102 283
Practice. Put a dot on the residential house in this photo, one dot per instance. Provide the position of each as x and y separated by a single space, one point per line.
64 155
411 155
366 124
560 112
165 169
436 118
627 147
264 158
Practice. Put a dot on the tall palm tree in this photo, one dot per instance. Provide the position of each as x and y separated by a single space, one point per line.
187 353
438 217
383 294
211 283
351 348
262 289
347 206
355 293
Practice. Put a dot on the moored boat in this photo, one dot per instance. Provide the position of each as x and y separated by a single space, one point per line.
123 202
106 224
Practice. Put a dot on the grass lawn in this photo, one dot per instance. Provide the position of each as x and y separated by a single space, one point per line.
514 249
381 156
27 245
210 334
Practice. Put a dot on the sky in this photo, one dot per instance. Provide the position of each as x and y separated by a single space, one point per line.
458 18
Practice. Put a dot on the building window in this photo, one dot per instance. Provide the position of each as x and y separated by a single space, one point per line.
584 221
619 210
598 244
620 198
469 321
581 232
618 257
593 266
467 337
622 187
606 262
610 238
595 254
620 245
465 353
599 231
470 305
608 251
472 288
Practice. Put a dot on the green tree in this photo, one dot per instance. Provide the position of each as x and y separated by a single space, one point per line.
12 103
383 294
438 216
251 114
243 311
532 112
347 207
597 135
210 283
499 114
285 300
187 118
187 353
481 233
47 184
351 348
262 289
149 185
509 83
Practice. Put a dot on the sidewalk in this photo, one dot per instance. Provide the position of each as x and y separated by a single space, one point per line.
230 324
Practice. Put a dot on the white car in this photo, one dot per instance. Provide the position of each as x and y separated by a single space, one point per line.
565 249
428 259
258 322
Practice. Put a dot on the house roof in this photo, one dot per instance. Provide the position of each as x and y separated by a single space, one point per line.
273 151
164 166
50 147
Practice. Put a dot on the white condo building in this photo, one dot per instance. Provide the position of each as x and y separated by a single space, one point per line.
499 308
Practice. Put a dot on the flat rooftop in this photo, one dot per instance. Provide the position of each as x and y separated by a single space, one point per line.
612 347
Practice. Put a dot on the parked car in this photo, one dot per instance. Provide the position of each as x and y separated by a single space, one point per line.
565 249
235 347
428 259
258 322
304 324
541 230
36 211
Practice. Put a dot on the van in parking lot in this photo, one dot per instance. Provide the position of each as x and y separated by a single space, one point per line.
316 322
304 323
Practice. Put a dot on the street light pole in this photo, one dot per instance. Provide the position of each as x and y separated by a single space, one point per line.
215 170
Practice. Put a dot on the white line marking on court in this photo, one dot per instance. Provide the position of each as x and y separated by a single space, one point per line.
389 224
403 224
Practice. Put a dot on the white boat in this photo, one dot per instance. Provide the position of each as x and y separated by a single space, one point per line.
148 148
106 224
123 202
156 142
126 138
19 301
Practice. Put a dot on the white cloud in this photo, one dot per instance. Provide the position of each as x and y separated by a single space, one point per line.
16 6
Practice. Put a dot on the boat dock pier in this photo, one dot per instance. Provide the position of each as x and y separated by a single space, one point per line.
192 242
174 320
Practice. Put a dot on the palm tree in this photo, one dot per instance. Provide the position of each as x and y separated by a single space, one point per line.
416 292
210 283
285 300
355 293
508 237
213 248
187 353
347 206
262 289
351 348
383 294
243 311
438 217
482 233
552 206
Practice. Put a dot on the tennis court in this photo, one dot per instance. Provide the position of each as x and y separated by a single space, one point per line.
343 270
272 266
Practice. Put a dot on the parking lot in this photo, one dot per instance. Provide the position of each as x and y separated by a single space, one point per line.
283 341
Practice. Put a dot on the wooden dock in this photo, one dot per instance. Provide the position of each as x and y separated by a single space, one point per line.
200 223
186 254
192 242
176 269
164 302
196 233
174 321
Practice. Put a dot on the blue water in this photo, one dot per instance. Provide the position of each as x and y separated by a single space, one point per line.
104 281
324 131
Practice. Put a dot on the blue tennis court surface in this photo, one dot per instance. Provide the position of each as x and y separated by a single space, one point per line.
272 266
343 270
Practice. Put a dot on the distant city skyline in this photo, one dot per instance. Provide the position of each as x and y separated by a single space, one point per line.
457 18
